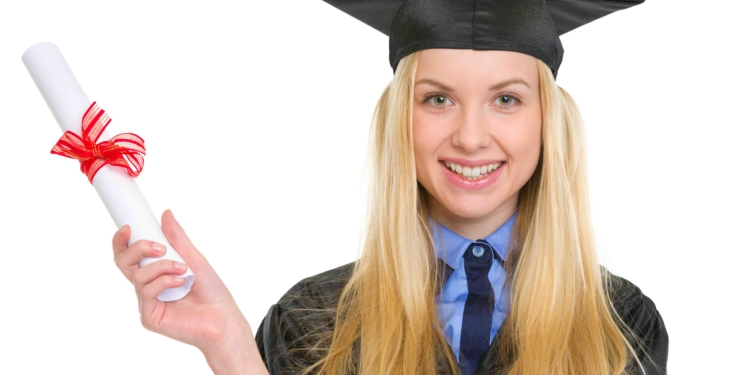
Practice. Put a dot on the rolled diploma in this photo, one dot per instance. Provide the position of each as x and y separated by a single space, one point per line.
119 192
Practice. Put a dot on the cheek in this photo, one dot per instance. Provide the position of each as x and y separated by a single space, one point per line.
421 148
523 150
427 141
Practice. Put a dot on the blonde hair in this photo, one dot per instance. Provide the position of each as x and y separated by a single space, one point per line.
561 319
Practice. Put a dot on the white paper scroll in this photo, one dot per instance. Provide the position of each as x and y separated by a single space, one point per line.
119 192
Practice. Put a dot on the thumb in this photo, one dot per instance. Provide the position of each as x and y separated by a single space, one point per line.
179 240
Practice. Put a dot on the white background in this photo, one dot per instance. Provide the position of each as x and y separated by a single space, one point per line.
256 120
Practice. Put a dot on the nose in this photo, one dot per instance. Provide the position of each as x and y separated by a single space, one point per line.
473 130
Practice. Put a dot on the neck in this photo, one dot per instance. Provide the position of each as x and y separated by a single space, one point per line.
472 228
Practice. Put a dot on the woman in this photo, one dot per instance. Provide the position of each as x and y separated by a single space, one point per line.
479 256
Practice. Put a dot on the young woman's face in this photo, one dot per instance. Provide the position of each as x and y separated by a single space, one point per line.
479 111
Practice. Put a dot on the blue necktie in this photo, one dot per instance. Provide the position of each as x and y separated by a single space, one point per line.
477 319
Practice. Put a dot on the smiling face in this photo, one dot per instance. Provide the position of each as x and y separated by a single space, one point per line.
480 112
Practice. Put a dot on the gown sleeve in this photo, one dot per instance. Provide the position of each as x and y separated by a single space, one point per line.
649 335
289 333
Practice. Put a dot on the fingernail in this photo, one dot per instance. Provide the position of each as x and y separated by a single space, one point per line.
122 229
179 279
159 248
179 266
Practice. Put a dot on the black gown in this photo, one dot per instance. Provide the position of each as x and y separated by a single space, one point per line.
289 326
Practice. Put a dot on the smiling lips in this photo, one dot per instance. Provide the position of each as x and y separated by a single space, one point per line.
472 173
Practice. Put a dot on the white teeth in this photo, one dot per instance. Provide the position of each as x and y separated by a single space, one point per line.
472 173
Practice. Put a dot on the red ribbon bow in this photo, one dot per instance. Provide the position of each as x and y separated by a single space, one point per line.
118 150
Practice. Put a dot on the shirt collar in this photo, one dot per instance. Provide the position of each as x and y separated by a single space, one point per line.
456 245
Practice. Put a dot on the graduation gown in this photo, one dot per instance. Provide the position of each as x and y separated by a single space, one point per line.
290 325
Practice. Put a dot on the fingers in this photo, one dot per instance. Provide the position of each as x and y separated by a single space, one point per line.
147 302
150 281
155 277
120 240
151 290
128 260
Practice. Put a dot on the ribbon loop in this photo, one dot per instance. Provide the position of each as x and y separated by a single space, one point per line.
124 150
97 153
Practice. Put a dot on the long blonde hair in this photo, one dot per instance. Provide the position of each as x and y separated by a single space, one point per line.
561 319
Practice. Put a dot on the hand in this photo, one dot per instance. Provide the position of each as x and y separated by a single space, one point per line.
207 318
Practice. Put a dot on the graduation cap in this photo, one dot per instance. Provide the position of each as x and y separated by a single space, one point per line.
532 27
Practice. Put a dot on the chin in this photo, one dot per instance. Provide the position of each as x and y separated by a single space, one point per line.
470 211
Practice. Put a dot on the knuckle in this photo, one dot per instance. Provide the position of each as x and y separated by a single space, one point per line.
147 323
137 246
168 265
144 245
138 277
120 259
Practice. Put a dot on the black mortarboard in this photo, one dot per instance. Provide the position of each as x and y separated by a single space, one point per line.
532 27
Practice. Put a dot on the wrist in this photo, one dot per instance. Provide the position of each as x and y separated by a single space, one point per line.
235 353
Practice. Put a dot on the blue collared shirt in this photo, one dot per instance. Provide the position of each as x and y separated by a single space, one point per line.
451 301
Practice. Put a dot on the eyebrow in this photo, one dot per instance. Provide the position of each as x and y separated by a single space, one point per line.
494 87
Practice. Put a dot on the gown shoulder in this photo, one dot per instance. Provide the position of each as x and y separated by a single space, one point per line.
644 326
297 321
301 317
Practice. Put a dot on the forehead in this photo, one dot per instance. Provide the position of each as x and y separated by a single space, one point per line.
468 64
